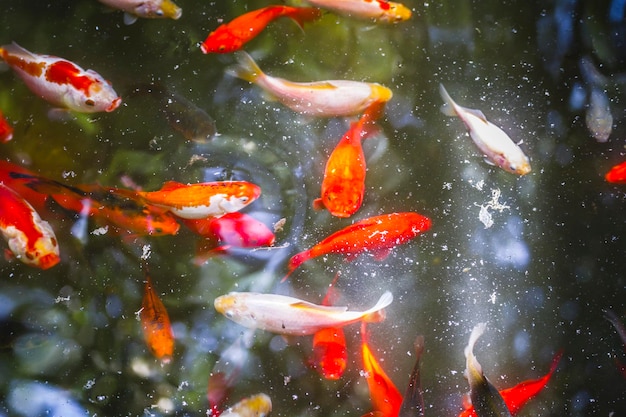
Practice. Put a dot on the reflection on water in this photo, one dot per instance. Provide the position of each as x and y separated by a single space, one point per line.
538 262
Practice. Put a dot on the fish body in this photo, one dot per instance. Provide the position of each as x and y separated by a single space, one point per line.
6 130
385 396
155 321
30 238
486 399
617 174
413 401
598 117
201 200
344 177
8 171
149 9
234 229
379 10
291 316
61 82
496 145
231 36
255 406
378 235
332 98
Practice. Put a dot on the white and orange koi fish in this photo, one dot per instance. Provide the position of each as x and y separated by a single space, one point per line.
490 139
30 238
150 9
379 10
332 98
291 316
61 82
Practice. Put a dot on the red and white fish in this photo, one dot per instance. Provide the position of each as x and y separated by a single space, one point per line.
150 9
8 173
202 200
379 10
344 177
155 321
331 98
496 145
61 82
231 36
6 130
286 315
378 235
30 238
617 174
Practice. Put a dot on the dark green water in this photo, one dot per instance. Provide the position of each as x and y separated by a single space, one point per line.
540 276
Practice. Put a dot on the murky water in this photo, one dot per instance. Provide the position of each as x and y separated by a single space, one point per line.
540 275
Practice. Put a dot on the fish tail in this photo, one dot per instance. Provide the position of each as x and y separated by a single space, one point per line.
301 15
376 313
448 106
246 68
295 261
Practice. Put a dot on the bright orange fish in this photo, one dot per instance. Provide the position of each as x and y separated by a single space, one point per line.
30 238
157 330
6 131
385 396
20 186
617 174
231 36
378 235
344 177
201 200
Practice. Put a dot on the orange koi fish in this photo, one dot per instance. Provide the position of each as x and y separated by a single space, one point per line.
386 398
157 330
344 177
8 170
30 238
516 397
378 235
379 10
617 174
286 315
201 200
413 402
231 36
332 98
61 82
123 209
150 9
6 130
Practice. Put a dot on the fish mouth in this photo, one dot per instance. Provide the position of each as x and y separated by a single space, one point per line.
114 104
48 261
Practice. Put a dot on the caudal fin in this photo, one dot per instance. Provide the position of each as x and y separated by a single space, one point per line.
377 313
246 68
301 15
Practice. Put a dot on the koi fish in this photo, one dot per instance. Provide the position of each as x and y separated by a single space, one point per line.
7 170
255 406
30 238
61 82
6 130
386 398
121 208
379 10
598 117
516 397
413 402
378 234
291 316
231 36
201 200
621 331
344 177
486 400
150 9
496 145
332 98
157 329
617 174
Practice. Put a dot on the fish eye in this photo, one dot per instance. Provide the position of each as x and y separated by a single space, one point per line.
159 12
90 102
221 48
29 256
228 314
244 199
513 168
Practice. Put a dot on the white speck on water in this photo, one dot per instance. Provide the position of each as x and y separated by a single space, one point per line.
494 204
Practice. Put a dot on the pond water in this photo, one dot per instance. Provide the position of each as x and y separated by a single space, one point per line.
538 258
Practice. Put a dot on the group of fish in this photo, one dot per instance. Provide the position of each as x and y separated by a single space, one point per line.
212 209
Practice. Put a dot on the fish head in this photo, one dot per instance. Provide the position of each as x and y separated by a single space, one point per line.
42 253
342 201
394 12
158 9
519 166
221 41
230 305
96 95
241 194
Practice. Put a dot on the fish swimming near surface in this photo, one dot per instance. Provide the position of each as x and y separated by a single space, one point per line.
150 9
6 130
382 11
231 36
286 315
413 401
30 238
202 200
496 145
155 321
598 116
20 185
331 98
377 235
258 405
617 174
343 185
61 82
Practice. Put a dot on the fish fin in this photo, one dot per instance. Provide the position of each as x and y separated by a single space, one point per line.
381 254
129 19
303 305
448 104
318 204
58 114
376 313
305 14
15 49
172 185
489 162
246 68
477 113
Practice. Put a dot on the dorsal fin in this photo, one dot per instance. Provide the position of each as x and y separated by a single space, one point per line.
172 185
